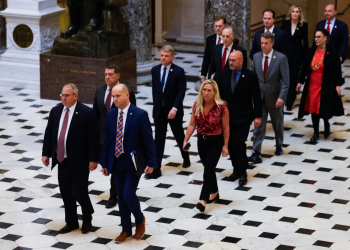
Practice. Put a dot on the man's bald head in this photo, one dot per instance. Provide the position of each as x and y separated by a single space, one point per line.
235 60
330 12
120 95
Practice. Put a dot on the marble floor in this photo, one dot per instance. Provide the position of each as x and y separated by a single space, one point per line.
300 200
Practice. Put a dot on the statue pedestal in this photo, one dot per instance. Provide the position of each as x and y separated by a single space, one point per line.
32 26
86 73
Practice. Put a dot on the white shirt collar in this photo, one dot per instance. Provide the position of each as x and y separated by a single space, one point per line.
71 109
125 110
332 22
270 30
108 87
228 47
269 55
167 67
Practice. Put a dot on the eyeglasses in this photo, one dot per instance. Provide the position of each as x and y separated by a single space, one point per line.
65 95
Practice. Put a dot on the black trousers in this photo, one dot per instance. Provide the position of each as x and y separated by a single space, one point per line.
237 148
74 188
316 123
209 149
113 190
294 69
161 125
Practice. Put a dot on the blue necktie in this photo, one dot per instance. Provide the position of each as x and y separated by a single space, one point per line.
163 78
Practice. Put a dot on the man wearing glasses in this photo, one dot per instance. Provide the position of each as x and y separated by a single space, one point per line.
72 141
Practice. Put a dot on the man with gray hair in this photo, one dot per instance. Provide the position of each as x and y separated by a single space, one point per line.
168 91
221 52
72 141
272 69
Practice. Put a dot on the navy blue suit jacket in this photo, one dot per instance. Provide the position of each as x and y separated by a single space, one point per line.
281 42
174 91
339 37
82 144
137 134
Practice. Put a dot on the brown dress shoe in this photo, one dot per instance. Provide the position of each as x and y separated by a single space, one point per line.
124 236
140 229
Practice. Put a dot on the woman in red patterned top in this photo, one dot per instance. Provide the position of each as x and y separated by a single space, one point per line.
211 117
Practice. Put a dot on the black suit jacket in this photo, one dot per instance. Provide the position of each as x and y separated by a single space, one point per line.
339 37
174 91
240 102
100 108
281 42
298 42
82 144
215 65
209 45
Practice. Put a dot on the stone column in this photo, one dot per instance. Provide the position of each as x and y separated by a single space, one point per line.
137 13
237 13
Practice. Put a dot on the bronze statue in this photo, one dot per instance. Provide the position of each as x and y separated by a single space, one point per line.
97 30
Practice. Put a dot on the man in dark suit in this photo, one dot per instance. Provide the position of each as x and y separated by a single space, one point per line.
281 43
71 140
221 52
272 70
168 91
240 86
338 30
219 24
127 129
103 102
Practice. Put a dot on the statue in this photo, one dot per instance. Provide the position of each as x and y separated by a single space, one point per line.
97 30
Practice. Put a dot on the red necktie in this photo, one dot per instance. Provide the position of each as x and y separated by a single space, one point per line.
329 28
108 101
219 41
223 59
60 143
266 65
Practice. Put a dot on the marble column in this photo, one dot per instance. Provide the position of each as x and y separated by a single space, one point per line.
137 13
237 13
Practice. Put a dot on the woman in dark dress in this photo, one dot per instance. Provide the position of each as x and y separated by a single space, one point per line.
296 28
321 95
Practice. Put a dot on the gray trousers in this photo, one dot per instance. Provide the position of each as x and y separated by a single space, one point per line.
276 115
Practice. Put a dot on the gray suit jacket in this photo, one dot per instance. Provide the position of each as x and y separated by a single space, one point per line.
276 83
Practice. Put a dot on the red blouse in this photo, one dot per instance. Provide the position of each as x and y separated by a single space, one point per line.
210 124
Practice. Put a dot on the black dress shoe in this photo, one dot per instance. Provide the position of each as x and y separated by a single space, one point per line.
67 228
314 138
279 150
289 108
69 32
233 177
326 133
112 202
200 207
217 197
243 180
86 227
186 164
255 157
154 175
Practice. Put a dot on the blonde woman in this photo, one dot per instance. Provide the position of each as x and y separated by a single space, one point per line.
296 28
211 118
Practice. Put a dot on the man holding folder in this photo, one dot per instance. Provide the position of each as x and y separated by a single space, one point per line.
128 129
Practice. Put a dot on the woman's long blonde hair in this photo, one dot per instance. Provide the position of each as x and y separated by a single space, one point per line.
200 99
301 17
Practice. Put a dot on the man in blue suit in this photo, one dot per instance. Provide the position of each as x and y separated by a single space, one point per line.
127 129
281 40
338 30
168 91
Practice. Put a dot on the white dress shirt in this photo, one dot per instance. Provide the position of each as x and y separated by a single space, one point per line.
331 25
270 30
269 59
217 39
227 52
125 114
106 94
166 74
70 115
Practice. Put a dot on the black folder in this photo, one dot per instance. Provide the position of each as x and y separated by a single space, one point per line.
139 158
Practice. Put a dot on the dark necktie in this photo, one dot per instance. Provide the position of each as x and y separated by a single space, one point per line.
219 41
266 65
119 138
108 101
163 78
223 59
329 28
60 143
233 81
